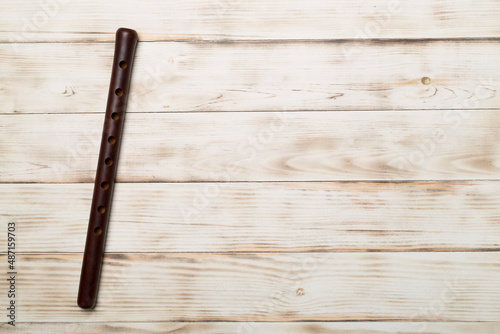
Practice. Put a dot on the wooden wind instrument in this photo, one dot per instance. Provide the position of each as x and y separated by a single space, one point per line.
125 45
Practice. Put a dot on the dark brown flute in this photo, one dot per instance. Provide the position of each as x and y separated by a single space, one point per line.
125 44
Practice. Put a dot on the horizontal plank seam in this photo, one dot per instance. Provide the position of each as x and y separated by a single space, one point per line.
408 320
267 41
278 181
80 113
348 251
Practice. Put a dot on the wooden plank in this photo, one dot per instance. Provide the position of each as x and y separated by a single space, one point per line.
265 287
229 147
62 20
255 76
357 327
260 217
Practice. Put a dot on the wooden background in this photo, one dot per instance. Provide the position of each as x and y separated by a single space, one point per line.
287 166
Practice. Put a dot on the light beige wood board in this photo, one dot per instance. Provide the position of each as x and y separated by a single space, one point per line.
259 217
255 76
264 287
224 147
357 327
64 20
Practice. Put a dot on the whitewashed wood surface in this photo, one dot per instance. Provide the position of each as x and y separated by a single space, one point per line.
257 76
287 166
65 20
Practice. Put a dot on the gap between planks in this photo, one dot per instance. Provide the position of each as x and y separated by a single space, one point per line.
276 41
296 327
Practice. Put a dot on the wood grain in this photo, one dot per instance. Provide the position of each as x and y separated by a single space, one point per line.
358 327
229 147
265 287
63 20
260 217
255 76
288 166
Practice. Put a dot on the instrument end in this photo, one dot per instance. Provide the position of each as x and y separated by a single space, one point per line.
126 33
86 303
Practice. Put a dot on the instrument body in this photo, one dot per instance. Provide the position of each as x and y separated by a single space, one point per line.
125 45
